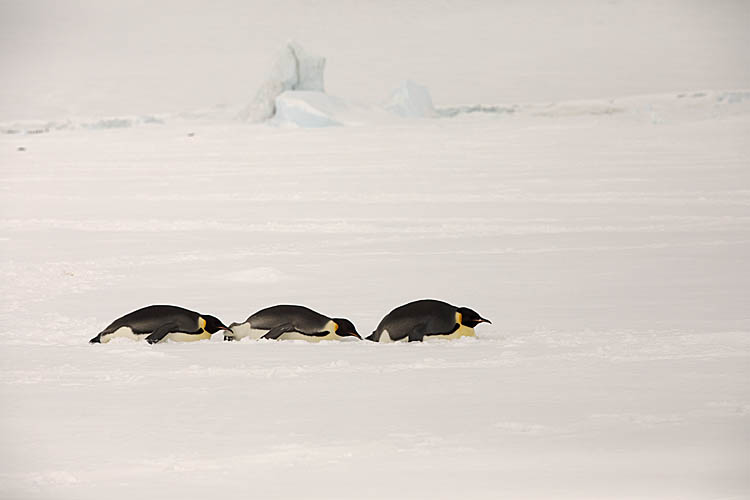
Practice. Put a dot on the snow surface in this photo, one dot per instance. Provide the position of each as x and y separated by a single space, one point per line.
608 241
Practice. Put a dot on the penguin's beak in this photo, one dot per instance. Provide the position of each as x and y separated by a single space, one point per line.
355 334
482 320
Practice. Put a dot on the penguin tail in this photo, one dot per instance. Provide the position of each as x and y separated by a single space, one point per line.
96 340
372 337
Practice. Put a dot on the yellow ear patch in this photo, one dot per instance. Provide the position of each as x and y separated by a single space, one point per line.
459 317
335 326
201 323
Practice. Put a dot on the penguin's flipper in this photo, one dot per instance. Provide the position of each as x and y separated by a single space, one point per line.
417 333
277 331
161 332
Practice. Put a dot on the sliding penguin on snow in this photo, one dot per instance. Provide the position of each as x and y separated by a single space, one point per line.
427 318
160 322
292 322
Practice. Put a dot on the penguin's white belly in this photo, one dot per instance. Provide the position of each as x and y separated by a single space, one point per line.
187 337
463 331
385 338
246 331
308 338
124 332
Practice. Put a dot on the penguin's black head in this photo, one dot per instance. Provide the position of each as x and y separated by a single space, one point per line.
471 318
346 328
213 324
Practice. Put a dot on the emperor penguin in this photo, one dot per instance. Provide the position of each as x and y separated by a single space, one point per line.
427 318
157 323
290 322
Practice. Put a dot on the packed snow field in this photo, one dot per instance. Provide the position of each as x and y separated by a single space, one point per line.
608 241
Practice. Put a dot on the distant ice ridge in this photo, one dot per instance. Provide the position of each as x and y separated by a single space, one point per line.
317 109
294 69
311 108
294 95
411 100
308 109
43 126
218 113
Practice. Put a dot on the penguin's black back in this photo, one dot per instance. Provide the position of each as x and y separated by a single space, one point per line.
303 318
148 319
437 317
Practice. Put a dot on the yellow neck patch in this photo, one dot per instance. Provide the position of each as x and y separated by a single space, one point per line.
201 323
